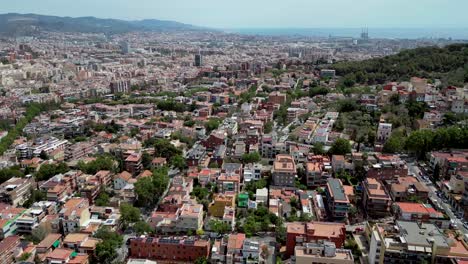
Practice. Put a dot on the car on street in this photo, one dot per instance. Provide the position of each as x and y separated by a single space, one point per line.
129 240
465 225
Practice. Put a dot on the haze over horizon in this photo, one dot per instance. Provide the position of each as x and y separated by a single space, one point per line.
263 13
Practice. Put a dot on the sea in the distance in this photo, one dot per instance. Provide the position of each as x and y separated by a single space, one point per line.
394 33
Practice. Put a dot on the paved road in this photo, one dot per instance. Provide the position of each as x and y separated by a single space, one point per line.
414 169
122 251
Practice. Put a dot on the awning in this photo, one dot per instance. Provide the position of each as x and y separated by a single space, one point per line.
56 243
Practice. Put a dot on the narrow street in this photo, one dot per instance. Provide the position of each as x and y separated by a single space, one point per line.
414 169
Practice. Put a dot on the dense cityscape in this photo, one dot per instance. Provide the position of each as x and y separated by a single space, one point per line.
200 146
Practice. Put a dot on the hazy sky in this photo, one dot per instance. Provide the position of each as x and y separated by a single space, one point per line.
262 13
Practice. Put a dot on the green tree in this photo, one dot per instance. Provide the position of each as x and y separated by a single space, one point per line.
150 189
164 148
201 260
142 227
416 109
349 80
44 155
178 162
340 147
212 124
314 91
129 214
7 173
47 171
100 163
25 256
146 160
251 157
102 199
394 144
36 196
420 142
318 148
268 128
219 227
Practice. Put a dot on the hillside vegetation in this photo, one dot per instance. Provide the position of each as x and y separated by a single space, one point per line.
450 64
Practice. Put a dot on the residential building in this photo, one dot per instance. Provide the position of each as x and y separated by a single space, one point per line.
252 172
337 201
318 170
169 248
80 242
375 199
49 243
387 167
299 233
196 155
74 215
122 179
234 248
408 242
16 191
421 213
66 256
284 171
261 196
220 201
276 98
383 132
133 163
8 249
79 150
323 252
32 217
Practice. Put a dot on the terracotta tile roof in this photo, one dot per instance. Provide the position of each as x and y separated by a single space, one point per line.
236 241
124 175
49 240
59 253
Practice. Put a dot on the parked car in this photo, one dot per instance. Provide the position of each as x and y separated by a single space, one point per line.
358 230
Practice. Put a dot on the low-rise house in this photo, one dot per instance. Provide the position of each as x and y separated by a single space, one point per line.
80 242
66 256
418 212
234 248
196 156
322 252
301 233
122 179
216 208
158 162
48 244
252 172
261 195
74 215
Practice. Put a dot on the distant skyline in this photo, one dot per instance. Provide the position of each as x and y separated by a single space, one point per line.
263 13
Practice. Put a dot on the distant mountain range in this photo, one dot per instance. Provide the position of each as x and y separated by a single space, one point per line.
27 24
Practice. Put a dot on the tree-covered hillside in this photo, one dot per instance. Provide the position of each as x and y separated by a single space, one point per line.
450 64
